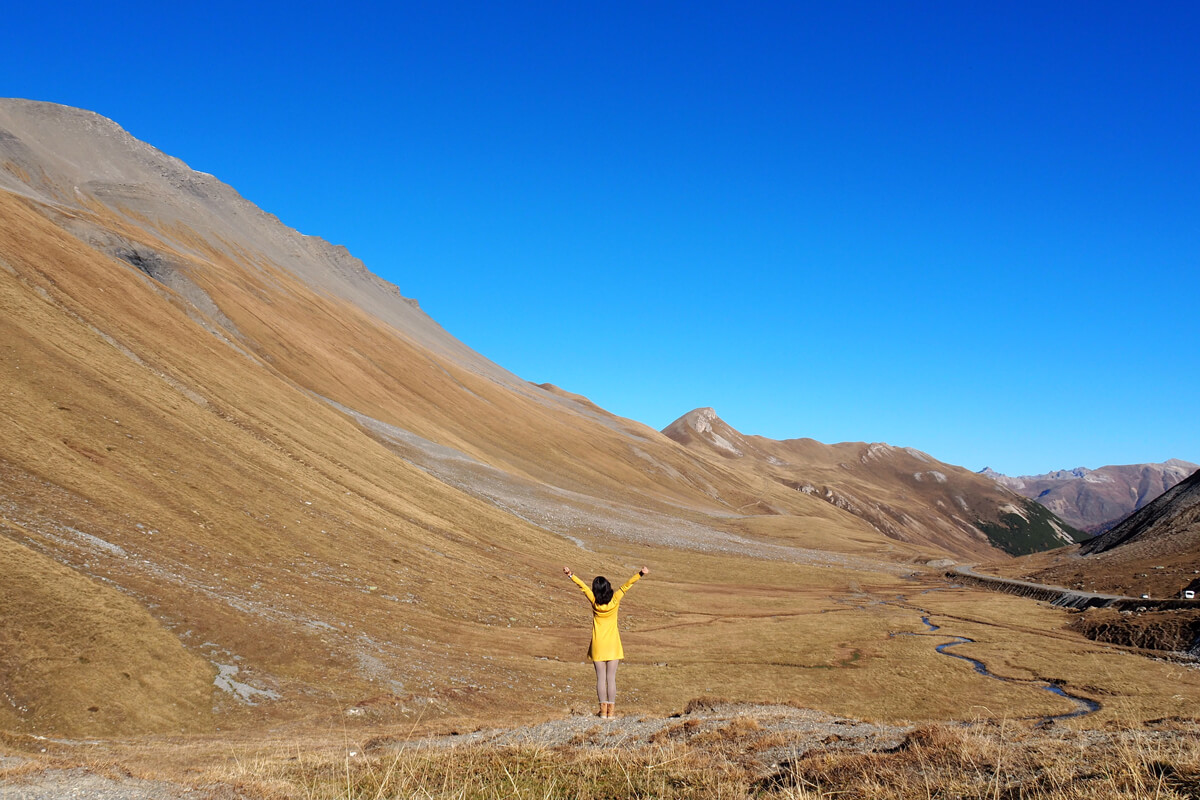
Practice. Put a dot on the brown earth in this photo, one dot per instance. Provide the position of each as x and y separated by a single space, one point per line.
1176 631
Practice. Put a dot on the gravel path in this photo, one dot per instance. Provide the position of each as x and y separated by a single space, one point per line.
767 734
64 784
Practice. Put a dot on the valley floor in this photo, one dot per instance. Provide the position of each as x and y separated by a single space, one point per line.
923 690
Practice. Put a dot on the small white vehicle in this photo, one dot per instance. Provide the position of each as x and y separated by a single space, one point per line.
1188 594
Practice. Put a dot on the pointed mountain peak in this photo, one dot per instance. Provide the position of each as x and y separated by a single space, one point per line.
701 419
704 424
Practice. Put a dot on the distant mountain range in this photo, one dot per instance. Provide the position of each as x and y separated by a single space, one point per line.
1155 551
1174 513
901 492
1095 500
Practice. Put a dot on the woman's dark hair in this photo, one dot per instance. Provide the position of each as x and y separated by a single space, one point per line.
601 590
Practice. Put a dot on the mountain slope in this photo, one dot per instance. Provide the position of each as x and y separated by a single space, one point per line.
1096 500
293 488
313 315
146 454
902 493
295 495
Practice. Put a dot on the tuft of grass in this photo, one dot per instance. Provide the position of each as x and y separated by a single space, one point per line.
945 761
476 773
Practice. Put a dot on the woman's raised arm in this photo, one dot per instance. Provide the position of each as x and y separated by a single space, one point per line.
634 579
583 587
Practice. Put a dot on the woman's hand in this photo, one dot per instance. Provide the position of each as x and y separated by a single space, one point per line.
567 571
644 571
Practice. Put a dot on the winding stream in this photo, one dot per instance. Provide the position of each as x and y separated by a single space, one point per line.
1083 705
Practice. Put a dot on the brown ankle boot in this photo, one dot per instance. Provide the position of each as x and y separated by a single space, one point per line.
610 712
603 712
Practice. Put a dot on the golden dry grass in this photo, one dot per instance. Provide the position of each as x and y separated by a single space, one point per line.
1003 762
118 677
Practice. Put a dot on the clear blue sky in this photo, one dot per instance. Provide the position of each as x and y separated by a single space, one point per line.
970 229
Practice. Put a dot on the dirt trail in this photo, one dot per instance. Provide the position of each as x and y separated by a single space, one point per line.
802 730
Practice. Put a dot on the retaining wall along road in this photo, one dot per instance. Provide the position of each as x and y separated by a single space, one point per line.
1066 598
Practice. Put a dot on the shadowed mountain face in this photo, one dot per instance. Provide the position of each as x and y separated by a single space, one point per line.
1097 500
900 492
243 479
1156 550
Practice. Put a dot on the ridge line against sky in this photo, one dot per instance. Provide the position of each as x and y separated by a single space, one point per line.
973 231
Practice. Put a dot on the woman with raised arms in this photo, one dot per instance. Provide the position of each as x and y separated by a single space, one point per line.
605 651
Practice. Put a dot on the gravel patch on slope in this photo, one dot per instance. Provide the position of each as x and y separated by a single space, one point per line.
580 517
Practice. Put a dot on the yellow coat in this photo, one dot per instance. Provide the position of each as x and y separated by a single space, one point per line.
606 639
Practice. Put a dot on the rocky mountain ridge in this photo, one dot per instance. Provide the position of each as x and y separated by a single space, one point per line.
901 492
1096 500
1174 513
73 160
1155 551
